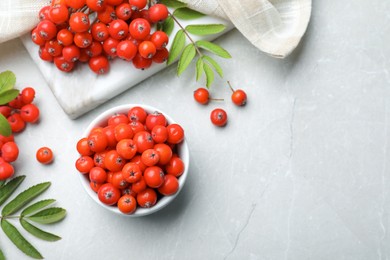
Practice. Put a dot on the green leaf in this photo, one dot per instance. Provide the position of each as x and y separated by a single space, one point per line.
177 46
37 206
7 80
215 64
209 74
20 242
199 68
24 197
168 25
173 3
8 95
214 48
48 216
39 233
10 187
205 29
2 256
186 13
5 128
186 57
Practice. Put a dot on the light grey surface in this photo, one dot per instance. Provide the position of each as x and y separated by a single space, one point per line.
301 172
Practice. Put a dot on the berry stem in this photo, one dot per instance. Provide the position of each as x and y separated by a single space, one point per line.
187 34
230 86
217 99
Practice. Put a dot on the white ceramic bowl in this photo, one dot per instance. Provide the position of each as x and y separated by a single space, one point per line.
182 150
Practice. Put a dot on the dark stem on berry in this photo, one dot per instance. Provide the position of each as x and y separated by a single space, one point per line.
187 34
230 86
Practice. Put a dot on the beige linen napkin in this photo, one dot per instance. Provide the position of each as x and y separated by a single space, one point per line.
274 26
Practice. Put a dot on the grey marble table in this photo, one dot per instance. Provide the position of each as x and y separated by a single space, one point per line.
301 172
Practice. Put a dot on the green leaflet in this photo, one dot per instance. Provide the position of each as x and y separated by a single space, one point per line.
216 66
186 57
7 80
205 29
209 74
24 197
10 187
214 48
199 68
20 242
37 206
186 13
48 216
8 95
177 46
5 128
168 25
37 232
173 3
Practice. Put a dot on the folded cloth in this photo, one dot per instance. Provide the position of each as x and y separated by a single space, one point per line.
274 26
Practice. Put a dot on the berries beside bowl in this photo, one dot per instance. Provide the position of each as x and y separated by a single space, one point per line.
133 159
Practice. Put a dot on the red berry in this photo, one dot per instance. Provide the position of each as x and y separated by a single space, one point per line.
137 4
99 64
28 95
123 11
6 171
218 117
158 12
58 13
62 64
160 39
79 22
47 29
29 113
161 56
71 53
16 122
140 62
65 37
126 50
9 151
239 96
147 49
99 32
139 28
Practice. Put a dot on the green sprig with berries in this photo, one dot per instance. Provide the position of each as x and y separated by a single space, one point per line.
7 94
37 212
187 52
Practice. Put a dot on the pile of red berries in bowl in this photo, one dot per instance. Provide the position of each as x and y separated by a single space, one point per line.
97 31
133 159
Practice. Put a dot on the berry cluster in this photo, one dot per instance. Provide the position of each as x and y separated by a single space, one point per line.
219 116
96 31
18 112
132 160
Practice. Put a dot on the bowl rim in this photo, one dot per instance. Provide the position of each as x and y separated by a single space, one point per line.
101 119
